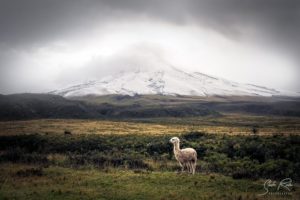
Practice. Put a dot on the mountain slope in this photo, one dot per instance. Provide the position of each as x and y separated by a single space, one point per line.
165 80
35 106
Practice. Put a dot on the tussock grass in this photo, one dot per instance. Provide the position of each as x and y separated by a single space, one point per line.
66 183
228 124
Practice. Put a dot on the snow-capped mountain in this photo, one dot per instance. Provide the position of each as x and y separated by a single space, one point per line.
166 80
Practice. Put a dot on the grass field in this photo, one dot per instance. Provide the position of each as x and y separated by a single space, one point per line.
133 159
229 124
66 183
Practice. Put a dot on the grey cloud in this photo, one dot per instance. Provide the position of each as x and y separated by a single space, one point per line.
276 21
34 21
26 25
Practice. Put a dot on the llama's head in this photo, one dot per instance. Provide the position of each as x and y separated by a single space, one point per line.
174 140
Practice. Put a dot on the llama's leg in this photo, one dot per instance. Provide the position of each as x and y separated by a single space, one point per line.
194 167
189 167
182 167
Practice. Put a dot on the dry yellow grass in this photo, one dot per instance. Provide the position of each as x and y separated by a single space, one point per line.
86 127
232 125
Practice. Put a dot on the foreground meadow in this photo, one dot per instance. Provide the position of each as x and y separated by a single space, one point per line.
143 167
68 183
90 159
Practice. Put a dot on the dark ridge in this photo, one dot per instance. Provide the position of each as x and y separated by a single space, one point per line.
35 106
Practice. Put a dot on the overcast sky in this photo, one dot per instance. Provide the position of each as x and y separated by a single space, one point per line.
49 44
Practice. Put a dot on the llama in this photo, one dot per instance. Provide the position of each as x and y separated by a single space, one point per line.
187 157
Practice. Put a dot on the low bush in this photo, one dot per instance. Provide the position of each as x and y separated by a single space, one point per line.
30 172
239 156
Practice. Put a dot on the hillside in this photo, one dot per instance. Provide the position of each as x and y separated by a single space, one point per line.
256 105
35 106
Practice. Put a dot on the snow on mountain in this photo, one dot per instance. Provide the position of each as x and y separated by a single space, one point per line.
165 80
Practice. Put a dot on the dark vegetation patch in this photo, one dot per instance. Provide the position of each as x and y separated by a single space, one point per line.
254 157
194 135
36 106
30 172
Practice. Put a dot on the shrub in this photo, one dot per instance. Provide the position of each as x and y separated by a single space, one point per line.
242 174
193 135
66 132
239 156
30 172
276 169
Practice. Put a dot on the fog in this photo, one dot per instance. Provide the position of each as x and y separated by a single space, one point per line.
45 45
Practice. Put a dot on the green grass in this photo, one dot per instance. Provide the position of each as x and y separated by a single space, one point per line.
67 183
237 156
134 159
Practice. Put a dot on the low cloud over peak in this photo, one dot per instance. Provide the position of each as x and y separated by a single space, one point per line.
40 35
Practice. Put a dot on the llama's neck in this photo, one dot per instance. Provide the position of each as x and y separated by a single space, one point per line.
176 147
